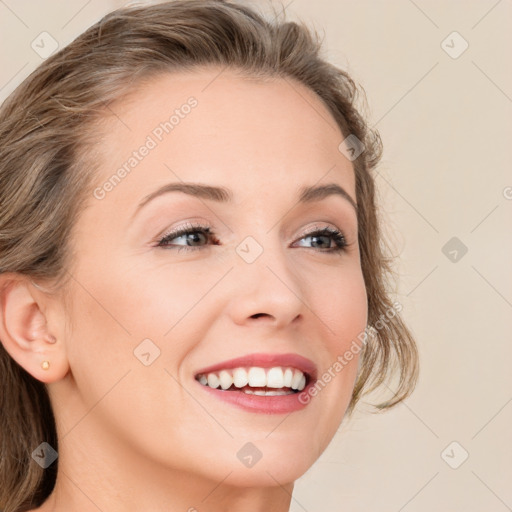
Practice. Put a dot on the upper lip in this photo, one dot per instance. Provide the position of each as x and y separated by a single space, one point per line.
301 363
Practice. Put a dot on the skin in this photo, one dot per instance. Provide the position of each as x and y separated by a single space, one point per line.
136 437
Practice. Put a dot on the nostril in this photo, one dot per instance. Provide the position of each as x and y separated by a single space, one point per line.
257 315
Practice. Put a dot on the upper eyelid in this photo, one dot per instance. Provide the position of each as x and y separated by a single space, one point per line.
189 226
182 231
204 227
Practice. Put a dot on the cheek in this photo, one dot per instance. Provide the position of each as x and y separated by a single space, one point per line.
125 303
121 314
343 307
162 297
111 377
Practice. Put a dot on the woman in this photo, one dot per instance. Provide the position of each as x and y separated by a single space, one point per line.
192 277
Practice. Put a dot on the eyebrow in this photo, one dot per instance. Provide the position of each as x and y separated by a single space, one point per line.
307 194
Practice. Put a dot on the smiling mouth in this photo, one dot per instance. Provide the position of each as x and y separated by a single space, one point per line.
256 380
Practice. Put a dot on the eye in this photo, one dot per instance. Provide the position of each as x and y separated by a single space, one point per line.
197 236
192 234
325 236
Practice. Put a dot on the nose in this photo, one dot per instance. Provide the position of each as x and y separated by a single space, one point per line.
266 291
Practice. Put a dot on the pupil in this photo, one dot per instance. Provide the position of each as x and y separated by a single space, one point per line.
316 238
194 238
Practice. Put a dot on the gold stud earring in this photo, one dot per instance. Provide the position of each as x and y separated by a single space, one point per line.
45 365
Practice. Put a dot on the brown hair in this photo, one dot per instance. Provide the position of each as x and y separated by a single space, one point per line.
47 132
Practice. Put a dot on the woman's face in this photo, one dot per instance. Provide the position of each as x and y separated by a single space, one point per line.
146 317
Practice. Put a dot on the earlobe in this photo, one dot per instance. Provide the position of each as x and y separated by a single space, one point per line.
25 333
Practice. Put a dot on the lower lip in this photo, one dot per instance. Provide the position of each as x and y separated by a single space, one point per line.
279 404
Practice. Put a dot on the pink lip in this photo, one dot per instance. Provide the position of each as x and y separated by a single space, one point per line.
265 361
281 404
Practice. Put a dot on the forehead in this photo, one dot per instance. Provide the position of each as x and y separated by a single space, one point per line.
219 124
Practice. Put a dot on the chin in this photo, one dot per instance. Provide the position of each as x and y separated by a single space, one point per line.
269 462
273 473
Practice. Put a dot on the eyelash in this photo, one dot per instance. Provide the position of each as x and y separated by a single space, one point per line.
335 234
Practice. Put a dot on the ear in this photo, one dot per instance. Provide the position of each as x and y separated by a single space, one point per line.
25 332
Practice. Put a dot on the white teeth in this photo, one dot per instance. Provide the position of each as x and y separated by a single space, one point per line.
287 378
240 378
267 393
256 377
226 381
213 380
295 381
275 378
302 383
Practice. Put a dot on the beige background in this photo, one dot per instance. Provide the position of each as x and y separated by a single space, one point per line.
446 124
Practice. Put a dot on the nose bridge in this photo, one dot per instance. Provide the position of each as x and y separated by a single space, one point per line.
265 284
